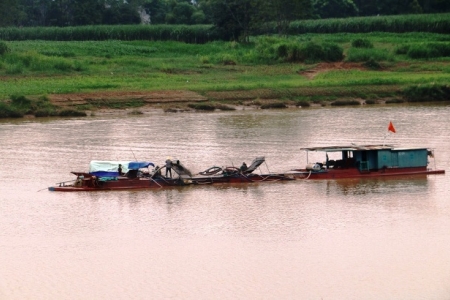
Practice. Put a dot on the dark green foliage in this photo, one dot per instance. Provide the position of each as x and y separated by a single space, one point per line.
45 112
332 52
4 48
394 101
273 105
224 107
303 103
270 48
402 49
21 105
202 106
72 113
7 111
372 64
335 8
427 92
429 50
362 43
345 102
20 101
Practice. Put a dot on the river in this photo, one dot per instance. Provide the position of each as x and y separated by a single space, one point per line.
346 239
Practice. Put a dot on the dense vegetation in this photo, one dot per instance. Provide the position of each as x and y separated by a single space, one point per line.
232 19
438 23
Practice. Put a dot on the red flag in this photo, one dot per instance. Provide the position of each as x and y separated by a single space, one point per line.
391 127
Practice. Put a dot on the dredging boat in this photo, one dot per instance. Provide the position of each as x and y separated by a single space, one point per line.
123 175
128 175
365 161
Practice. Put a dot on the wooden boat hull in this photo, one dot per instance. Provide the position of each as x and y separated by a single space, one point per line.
241 178
356 173
91 184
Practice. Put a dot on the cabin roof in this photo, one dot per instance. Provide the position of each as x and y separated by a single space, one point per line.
352 147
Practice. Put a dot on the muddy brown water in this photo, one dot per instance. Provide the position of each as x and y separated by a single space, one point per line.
348 239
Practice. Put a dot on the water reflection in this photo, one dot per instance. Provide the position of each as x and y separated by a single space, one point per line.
364 186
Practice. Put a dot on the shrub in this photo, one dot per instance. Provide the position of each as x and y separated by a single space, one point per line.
4 48
362 43
224 107
45 112
303 103
282 49
273 105
427 92
429 50
345 102
332 52
20 101
71 113
394 101
202 106
228 60
402 50
372 64
7 111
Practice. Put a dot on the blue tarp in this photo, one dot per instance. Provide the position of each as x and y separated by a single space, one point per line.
136 165
110 168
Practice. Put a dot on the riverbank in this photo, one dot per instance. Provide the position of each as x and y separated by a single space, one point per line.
51 78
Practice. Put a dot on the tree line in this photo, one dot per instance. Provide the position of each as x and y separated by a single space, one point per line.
234 18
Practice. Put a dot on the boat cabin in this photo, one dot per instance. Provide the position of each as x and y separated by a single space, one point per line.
371 157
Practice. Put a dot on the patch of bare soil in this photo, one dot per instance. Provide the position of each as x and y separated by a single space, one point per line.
150 97
325 67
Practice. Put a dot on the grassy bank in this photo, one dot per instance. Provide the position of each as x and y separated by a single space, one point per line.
309 67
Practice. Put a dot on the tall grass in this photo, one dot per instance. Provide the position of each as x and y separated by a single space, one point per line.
293 50
437 23
428 50
182 33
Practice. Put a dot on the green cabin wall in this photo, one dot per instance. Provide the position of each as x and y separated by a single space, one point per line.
402 158
406 158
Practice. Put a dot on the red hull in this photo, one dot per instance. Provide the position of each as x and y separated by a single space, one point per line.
89 183
240 178
356 173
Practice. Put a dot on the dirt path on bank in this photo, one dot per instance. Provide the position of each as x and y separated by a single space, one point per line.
325 67
150 97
